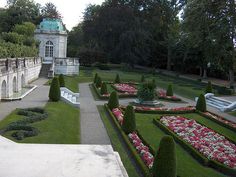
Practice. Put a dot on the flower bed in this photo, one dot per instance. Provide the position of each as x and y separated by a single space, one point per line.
163 110
137 142
162 95
209 143
143 150
220 120
125 88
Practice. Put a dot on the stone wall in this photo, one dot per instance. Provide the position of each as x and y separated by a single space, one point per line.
66 66
15 73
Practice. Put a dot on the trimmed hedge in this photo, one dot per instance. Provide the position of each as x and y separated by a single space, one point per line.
144 169
201 103
209 88
95 78
117 79
99 82
61 80
165 160
54 92
113 101
142 78
129 124
165 112
197 155
103 88
169 91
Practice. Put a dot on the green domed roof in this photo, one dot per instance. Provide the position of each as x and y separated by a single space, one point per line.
51 25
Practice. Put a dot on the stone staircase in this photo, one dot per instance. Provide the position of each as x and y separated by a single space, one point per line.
219 103
45 70
70 97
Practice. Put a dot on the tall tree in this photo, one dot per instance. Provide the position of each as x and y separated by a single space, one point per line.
50 11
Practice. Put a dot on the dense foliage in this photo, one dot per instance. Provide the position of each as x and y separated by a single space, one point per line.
165 160
201 103
146 92
117 79
186 36
209 88
129 124
113 101
61 80
104 89
169 91
54 92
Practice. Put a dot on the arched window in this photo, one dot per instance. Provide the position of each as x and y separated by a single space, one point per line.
49 49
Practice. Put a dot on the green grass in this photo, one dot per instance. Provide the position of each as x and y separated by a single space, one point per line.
233 113
61 126
186 164
117 144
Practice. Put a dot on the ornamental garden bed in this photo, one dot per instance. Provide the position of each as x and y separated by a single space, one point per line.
121 94
206 145
161 94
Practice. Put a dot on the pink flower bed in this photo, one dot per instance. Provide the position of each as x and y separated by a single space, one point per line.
162 95
209 143
118 114
143 150
221 119
143 108
127 88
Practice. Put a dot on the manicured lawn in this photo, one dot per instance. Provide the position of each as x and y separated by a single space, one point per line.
233 113
61 126
117 144
186 164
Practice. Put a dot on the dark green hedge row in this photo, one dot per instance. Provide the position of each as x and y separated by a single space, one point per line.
169 99
217 121
130 146
165 112
197 155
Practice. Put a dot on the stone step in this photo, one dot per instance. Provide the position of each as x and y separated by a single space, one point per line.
218 102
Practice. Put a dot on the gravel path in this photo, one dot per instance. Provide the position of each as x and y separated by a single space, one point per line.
37 98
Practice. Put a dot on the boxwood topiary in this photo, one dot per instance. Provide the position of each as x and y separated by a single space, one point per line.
54 92
146 92
99 82
61 80
117 79
103 89
165 160
129 124
209 88
113 101
169 91
201 103
142 78
95 78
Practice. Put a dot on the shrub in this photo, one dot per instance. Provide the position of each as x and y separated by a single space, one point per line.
54 92
61 80
209 88
165 160
129 124
169 91
142 78
146 92
117 79
201 103
99 82
225 91
154 83
113 101
95 78
103 88
104 67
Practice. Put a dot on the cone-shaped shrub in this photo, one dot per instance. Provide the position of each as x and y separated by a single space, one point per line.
154 83
99 82
61 80
142 78
169 91
54 92
103 88
201 103
129 124
209 87
117 79
95 78
113 101
165 160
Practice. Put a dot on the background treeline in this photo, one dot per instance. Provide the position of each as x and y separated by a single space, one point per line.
18 22
189 36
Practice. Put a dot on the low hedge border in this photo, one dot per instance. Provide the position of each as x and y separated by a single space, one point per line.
169 99
107 97
165 112
137 158
197 155
216 121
